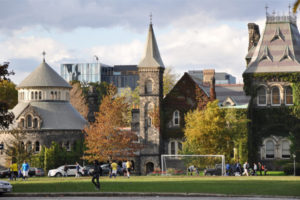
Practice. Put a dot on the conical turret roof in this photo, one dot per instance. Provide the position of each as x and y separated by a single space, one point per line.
152 56
43 76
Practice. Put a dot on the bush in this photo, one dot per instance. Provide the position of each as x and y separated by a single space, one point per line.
289 169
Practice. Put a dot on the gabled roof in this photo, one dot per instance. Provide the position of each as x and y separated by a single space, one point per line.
152 56
43 76
278 50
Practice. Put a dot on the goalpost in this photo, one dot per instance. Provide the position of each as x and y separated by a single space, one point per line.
181 163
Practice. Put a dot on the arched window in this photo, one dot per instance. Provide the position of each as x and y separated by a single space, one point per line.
29 121
51 95
261 96
40 95
173 148
22 146
35 123
59 95
36 95
37 146
286 149
275 100
148 87
22 123
55 95
288 96
32 96
176 118
269 149
29 146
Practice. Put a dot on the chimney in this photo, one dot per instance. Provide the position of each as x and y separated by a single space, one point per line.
212 90
254 35
208 74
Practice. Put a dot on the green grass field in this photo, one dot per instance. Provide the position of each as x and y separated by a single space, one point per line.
256 185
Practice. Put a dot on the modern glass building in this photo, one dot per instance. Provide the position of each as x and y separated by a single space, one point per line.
121 76
220 77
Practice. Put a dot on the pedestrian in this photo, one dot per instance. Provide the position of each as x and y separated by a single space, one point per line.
245 166
260 168
265 170
25 170
77 170
238 169
114 168
254 169
65 170
96 174
124 168
128 168
14 171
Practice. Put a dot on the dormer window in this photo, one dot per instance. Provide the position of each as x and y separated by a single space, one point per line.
275 100
289 96
261 96
176 118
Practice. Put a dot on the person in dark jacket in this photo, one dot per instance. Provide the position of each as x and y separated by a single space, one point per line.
97 173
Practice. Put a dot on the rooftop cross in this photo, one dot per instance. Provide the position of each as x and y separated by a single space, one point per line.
44 53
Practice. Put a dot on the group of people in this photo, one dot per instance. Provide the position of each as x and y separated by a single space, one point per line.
248 170
126 167
15 171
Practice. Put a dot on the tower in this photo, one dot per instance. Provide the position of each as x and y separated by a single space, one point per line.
150 69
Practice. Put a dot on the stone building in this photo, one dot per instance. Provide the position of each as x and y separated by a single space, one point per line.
44 112
273 68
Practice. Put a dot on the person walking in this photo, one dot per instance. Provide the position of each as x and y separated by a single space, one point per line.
254 169
124 168
77 170
14 171
245 166
25 170
114 168
96 174
128 168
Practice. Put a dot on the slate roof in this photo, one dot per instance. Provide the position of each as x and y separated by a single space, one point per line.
56 115
278 50
152 56
43 76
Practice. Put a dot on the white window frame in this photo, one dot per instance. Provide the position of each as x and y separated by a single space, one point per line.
272 96
259 104
174 118
269 140
176 143
285 96
285 141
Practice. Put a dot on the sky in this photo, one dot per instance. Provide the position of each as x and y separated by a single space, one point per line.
191 34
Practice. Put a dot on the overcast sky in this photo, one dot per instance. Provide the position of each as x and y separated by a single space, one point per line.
191 34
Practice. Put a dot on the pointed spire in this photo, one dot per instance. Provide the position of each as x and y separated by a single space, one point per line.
152 56
286 54
44 54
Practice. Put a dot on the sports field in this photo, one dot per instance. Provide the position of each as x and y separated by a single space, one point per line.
255 185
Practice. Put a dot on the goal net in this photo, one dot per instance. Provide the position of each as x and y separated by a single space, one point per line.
208 165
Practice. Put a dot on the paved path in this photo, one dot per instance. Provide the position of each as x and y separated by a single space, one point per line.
142 198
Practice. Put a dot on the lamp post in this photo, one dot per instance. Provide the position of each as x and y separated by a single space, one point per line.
294 156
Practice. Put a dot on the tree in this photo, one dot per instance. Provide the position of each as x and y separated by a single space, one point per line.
170 79
105 139
296 5
78 100
213 130
6 117
8 93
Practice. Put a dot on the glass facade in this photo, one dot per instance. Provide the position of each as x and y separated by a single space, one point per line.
121 76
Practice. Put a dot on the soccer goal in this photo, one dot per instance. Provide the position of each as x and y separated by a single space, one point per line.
209 165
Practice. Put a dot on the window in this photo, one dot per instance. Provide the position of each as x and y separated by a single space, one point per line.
288 96
29 147
51 95
40 95
176 118
22 123
37 146
68 146
275 96
36 95
286 149
173 148
29 121
148 87
32 95
35 123
269 149
55 95
261 96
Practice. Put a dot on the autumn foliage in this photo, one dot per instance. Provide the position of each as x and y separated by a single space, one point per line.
105 138
78 100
